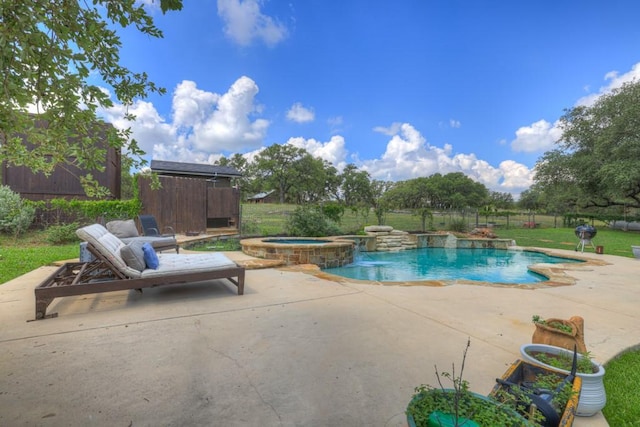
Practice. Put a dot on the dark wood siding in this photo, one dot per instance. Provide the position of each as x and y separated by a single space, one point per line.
190 204
63 182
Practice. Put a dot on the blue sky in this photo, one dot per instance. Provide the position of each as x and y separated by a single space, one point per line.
401 88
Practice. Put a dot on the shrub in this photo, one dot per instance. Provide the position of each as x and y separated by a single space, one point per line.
16 215
458 225
310 221
333 211
61 234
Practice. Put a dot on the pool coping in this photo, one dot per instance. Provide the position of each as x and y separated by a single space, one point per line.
555 273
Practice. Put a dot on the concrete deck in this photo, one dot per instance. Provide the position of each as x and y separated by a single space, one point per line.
295 350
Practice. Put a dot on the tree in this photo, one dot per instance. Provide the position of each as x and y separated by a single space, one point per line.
241 164
274 165
499 200
598 153
315 180
378 201
415 194
356 186
48 49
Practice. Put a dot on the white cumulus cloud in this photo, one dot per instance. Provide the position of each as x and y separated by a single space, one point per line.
300 114
333 151
538 137
244 22
204 123
408 155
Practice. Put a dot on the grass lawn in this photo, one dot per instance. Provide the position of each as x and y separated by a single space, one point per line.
623 394
28 252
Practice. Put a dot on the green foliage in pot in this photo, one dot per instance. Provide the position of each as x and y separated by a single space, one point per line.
462 404
555 325
564 361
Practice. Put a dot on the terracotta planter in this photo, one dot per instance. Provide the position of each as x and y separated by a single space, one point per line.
546 334
593 396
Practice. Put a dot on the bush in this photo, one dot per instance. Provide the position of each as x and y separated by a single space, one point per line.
310 221
458 225
61 234
333 211
16 215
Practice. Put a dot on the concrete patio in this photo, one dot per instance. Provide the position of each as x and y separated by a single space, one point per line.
295 350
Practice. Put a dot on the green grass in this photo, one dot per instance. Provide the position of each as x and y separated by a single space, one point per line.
621 381
28 252
614 242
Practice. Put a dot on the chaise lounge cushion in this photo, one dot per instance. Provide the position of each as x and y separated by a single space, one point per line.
133 255
124 228
108 245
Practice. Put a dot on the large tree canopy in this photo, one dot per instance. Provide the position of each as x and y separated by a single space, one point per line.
598 155
48 49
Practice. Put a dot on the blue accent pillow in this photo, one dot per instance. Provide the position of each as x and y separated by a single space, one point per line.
150 256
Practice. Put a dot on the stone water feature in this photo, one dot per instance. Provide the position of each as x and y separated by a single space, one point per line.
386 238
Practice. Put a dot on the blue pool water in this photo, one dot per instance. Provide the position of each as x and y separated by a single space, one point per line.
487 265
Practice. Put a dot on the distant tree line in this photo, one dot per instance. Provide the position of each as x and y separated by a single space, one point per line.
300 178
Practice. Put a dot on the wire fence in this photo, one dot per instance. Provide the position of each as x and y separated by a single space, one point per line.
267 219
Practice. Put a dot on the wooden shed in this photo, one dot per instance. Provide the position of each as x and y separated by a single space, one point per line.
193 198
63 183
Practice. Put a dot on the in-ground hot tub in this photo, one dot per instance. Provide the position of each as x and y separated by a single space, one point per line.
323 252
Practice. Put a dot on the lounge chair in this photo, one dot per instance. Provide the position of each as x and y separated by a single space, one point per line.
127 231
150 227
110 272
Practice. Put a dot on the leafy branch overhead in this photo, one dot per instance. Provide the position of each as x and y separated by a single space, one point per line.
48 51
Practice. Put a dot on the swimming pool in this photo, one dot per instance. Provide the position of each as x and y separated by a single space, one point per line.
486 265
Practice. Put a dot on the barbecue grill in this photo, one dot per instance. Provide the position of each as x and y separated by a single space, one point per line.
585 233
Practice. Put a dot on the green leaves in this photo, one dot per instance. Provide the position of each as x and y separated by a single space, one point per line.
597 161
47 51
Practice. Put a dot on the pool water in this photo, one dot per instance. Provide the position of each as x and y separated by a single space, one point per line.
486 265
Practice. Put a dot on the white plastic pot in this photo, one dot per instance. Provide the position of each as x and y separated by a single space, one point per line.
593 396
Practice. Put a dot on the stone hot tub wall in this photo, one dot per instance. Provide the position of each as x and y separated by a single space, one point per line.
335 253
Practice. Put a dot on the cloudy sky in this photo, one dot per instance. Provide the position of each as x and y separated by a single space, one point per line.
402 88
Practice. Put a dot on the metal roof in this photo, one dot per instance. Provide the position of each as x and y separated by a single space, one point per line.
193 169
261 195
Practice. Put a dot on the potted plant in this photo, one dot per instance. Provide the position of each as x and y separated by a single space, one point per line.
560 332
554 394
458 406
592 396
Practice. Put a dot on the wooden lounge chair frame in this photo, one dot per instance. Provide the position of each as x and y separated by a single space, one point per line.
100 275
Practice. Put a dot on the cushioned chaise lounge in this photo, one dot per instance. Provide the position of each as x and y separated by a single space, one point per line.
109 271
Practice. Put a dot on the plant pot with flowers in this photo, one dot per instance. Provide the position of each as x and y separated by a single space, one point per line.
560 332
